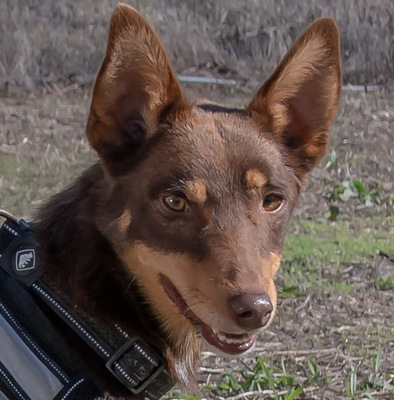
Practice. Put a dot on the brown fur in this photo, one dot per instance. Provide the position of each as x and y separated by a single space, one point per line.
109 239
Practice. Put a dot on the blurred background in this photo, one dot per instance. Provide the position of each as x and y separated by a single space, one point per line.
46 40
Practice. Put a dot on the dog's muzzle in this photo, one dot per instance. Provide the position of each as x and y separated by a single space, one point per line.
249 311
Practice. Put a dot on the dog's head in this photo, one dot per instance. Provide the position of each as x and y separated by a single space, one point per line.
201 195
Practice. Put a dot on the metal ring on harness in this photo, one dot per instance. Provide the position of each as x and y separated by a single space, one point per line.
7 215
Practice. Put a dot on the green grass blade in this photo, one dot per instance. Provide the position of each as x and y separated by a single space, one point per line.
295 393
269 376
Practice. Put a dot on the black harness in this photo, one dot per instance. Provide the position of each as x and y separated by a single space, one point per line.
34 361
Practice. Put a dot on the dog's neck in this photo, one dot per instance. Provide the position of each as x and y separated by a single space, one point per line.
82 264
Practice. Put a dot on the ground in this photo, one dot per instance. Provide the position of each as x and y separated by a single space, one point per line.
333 337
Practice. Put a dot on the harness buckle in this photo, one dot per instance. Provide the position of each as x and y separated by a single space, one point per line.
136 364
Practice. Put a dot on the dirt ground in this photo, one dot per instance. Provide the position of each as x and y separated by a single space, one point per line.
42 146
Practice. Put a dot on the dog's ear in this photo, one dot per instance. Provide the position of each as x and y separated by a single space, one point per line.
135 90
299 102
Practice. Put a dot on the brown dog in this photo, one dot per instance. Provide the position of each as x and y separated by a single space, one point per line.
176 235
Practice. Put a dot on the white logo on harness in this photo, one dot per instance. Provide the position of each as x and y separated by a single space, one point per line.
25 260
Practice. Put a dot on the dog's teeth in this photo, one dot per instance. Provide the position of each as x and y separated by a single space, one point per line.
241 341
214 330
225 339
222 337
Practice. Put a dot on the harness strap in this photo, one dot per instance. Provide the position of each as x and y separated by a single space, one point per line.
134 362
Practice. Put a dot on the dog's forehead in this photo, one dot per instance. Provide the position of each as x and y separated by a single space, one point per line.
230 142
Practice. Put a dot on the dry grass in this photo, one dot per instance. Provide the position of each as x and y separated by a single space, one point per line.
243 39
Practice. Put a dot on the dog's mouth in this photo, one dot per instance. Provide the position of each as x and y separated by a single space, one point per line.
229 343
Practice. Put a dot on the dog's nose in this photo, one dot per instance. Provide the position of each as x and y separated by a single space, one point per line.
251 310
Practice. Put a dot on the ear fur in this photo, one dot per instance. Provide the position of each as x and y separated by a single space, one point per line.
299 102
135 88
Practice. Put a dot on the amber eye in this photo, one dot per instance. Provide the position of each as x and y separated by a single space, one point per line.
272 202
175 203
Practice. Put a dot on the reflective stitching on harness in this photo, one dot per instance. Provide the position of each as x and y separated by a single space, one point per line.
125 374
72 388
5 376
71 319
43 356
142 351
121 331
9 229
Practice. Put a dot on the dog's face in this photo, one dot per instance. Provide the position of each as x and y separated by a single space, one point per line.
201 195
204 231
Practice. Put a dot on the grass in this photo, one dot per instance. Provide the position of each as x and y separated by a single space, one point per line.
312 248
351 189
39 177
357 387
65 40
291 380
338 242
264 379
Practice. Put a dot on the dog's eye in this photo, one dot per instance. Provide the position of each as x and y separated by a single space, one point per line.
272 202
175 203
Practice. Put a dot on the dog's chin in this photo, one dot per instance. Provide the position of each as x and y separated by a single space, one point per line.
222 343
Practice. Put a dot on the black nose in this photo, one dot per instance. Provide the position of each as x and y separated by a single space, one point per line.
251 310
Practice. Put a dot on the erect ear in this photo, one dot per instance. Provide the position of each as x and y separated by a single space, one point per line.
135 90
299 102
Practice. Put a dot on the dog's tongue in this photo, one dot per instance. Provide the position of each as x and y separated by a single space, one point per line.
225 342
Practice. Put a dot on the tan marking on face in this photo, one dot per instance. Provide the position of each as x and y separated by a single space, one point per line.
270 267
196 191
203 286
272 292
255 179
146 264
124 221
274 260
205 289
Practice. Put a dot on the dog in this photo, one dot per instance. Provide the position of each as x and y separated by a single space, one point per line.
176 234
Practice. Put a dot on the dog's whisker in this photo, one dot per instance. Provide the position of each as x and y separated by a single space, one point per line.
111 224
131 282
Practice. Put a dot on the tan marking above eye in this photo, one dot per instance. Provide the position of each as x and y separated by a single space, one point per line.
255 179
196 191
175 203
124 221
272 202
